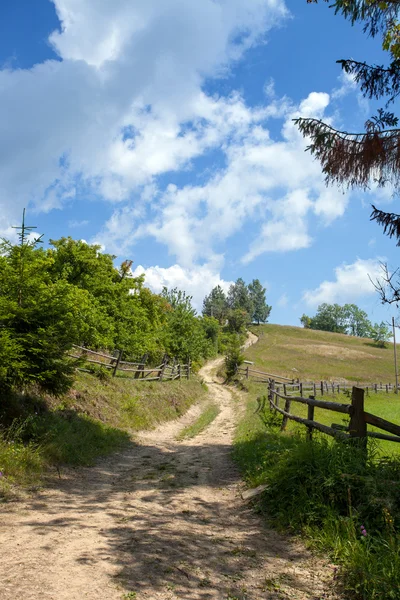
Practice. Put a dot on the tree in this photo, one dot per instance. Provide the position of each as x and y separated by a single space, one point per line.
358 323
239 297
355 159
261 310
381 334
216 305
305 321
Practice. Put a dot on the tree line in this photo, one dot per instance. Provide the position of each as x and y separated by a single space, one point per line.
348 319
72 293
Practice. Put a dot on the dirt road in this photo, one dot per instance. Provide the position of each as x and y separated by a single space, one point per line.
161 520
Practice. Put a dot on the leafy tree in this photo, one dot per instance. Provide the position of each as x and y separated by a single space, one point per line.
237 320
381 334
239 297
329 317
358 323
305 321
40 319
216 305
261 310
354 159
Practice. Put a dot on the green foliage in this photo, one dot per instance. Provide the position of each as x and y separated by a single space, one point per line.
326 490
234 357
239 298
347 319
238 319
261 310
216 305
381 334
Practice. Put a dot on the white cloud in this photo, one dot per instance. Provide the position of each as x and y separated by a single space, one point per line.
195 282
125 66
283 300
352 282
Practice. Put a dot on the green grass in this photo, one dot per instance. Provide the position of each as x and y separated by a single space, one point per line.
204 420
320 355
94 419
326 491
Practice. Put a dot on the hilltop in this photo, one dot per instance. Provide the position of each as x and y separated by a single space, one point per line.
310 354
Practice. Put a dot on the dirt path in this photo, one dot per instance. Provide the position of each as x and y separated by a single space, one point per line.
161 520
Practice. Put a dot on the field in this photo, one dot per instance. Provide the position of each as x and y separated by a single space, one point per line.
307 354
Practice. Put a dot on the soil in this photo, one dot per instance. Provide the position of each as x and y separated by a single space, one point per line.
160 520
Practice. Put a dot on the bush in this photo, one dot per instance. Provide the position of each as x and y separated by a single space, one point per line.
234 357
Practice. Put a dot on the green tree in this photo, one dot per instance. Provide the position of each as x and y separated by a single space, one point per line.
358 323
305 321
329 317
381 334
239 298
261 310
234 357
216 305
40 319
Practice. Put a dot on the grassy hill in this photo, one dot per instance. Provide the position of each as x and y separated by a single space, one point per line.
308 354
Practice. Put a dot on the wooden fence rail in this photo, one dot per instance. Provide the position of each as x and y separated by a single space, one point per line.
321 387
163 372
359 418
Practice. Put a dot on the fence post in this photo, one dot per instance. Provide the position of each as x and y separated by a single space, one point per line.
315 390
117 362
188 369
322 388
301 389
310 417
179 371
284 389
247 372
285 418
358 426
271 392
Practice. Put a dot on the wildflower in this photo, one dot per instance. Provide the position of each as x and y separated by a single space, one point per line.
363 531
1 474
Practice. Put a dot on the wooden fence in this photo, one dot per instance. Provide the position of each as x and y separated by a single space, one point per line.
295 386
359 418
166 371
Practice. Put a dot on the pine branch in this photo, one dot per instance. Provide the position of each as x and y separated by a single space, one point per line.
375 81
389 221
354 159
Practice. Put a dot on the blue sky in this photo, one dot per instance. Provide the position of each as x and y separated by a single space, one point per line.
163 131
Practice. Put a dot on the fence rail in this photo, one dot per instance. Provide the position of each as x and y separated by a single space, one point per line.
166 371
359 418
321 387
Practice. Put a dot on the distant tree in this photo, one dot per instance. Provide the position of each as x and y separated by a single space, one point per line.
349 319
261 310
358 323
329 317
305 321
216 304
239 297
178 298
381 334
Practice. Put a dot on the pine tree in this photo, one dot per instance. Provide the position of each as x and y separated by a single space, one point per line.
261 310
356 159
215 304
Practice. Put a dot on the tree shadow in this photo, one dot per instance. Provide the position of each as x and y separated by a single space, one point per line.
167 521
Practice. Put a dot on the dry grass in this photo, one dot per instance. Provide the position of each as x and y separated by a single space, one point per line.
308 354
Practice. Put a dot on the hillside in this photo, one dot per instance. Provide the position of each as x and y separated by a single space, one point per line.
309 354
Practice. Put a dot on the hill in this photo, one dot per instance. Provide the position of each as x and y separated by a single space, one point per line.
308 354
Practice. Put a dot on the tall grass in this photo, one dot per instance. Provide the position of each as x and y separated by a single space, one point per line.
346 505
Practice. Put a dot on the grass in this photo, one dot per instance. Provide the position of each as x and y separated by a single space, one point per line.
308 354
94 419
207 416
326 491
